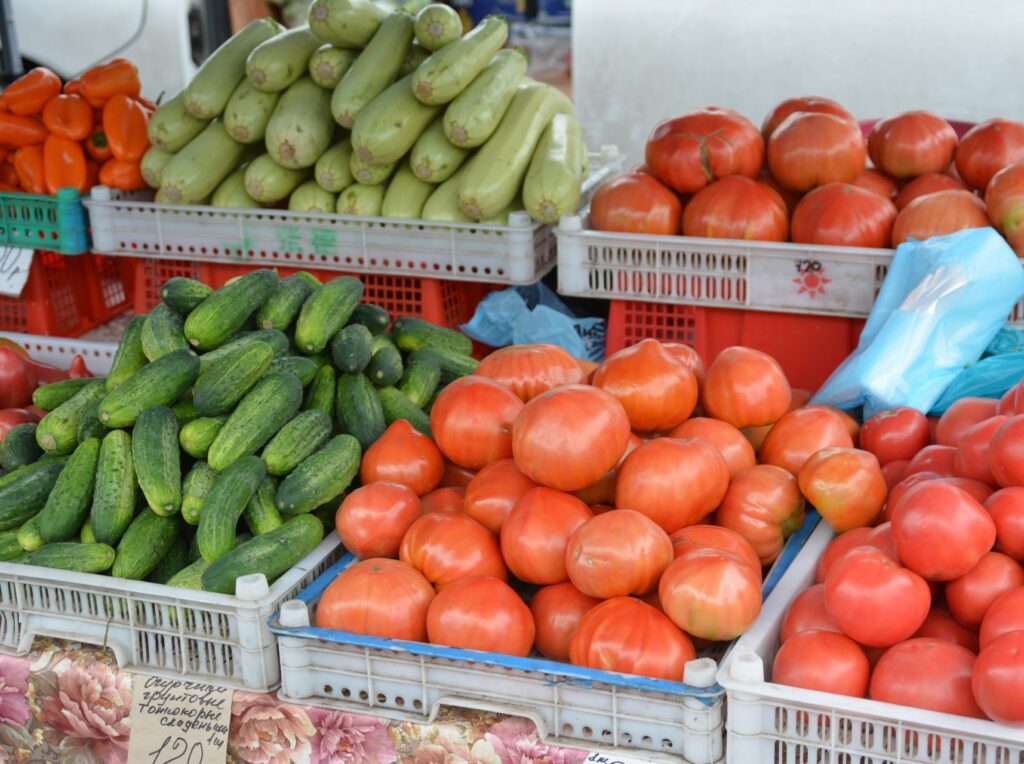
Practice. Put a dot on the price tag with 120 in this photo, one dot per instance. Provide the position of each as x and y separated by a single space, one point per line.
15 264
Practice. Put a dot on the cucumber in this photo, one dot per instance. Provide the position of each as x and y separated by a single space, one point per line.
276 339
160 383
271 554
303 368
227 380
320 395
345 23
434 158
185 412
370 174
163 333
328 65
373 317
129 357
275 64
191 576
415 56
301 128
325 513
320 477
152 165
333 169
554 180
86 535
19 446
406 194
28 535
389 126
211 86
171 127
89 425
171 563
261 413
443 205
325 312
157 459
475 113
224 312
266 181
113 497
231 192
67 506
248 112
420 381
453 365
450 70
261 513
397 406
48 397
194 490
303 435
437 25
350 348
57 433
143 545
10 549
414 333
309 278
309 197
359 410
72 555
197 436
385 368
196 171
23 492
224 505
360 200
182 294
281 310
375 68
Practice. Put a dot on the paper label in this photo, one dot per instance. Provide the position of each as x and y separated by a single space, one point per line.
178 722
15 265
827 284
603 757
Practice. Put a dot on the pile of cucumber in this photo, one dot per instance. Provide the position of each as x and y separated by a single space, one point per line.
229 424
374 113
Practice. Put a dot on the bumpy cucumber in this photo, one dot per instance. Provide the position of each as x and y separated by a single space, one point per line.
113 497
194 490
300 129
157 459
390 124
475 113
406 194
266 181
182 294
453 365
411 333
443 205
171 127
174 561
310 197
373 317
360 200
276 339
89 425
163 333
191 576
197 436
333 169
160 383
554 180
385 367
48 397
261 413
397 406
437 25
358 409
325 312
28 535
370 174
57 433
345 23
302 436
302 367
320 394
434 158
144 544
72 555
321 477
196 170
248 112
152 165
227 381
420 380
261 513
224 505
275 64
281 310
448 71
19 446
224 312
271 554
86 535
351 348
67 506
129 357
10 549
23 492
232 192
328 65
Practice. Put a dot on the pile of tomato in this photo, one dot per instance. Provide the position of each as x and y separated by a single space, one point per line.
805 176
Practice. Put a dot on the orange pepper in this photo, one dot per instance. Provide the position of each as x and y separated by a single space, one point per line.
118 173
118 77
68 116
17 130
63 164
92 172
97 146
30 92
8 175
28 164
124 122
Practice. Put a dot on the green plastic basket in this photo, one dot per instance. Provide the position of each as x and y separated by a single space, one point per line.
54 223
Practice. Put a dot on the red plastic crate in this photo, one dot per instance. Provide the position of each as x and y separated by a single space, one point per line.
808 347
109 286
54 301
151 275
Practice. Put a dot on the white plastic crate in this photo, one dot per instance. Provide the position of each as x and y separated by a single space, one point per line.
158 629
59 351
773 724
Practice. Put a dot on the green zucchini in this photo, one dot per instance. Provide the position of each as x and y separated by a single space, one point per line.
475 113
275 64
350 348
320 394
370 174
310 197
358 409
23 492
333 169
28 535
48 397
67 506
160 383
57 433
75 556
171 127
113 498
299 438
19 446
554 181
129 357
174 561
261 413
231 193
328 65
453 365
271 554
449 71
248 112
303 368
385 368
194 490
144 544
320 477
373 317
325 312
411 333
276 339
443 204
397 406
415 56
163 332
437 25
89 425
10 549
195 171
224 312
390 124
227 380
360 200
406 195
152 165
266 181
183 295
261 513
420 380
227 499
345 23
281 310
157 459
434 158
197 436
301 128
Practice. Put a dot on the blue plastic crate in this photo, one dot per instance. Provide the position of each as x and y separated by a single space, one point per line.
53 223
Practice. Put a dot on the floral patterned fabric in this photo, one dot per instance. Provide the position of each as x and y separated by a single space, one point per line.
66 703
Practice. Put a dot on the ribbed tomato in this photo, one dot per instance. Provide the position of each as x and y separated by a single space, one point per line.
1006 507
961 416
403 455
845 485
456 476
837 547
824 661
373 519
927 673
938 214
694 537
472 421
1006 452
449 499
736 207
493 492
690 358
972 451
603 491
764 506
894 471
807 612
536 532
970 596
987 148
1005 614
557 612
445 547
927 184
811 149
895 434
803 103
789 197
912 144
998 679
1004 199
529 370
802 433
877 182
745 387
734 448
844 215
940 625
936 459
636 202
481 613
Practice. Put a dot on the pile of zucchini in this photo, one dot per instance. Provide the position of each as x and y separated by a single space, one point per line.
229 424
368 112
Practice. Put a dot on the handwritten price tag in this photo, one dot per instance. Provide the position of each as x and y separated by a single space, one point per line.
178 722
600 757
15 265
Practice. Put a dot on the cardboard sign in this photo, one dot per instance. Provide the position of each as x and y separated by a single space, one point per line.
179 722
15 265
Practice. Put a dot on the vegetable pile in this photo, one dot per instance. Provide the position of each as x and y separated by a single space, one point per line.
370 113
812 175
253 401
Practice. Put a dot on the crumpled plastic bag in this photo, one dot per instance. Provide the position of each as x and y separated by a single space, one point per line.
1001 367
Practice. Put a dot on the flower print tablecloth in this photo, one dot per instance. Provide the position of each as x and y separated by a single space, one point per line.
66 703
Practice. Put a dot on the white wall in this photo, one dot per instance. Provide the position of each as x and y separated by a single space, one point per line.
636 63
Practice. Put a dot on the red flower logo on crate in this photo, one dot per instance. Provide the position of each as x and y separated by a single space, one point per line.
811 278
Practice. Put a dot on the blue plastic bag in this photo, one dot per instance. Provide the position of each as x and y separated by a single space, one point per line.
942 303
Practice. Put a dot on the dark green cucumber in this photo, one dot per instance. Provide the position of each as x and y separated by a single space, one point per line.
226 381
303 435
453 365
325 312
414 333
9 547
271 554
397 406
351 348
183 295
261 513
171 563
157 459
281 310
358 408
420 380
326 514
227 499
261 413
67 506
23 492
309 278
277 340
129 357
194 489
48 397
385 367
321 477
144 544
191 576
303 368
373 317
225 311
19 446
90 426
73 555
28 535
197 436
185 412
160 383
57 433
320 394
113 498
163 333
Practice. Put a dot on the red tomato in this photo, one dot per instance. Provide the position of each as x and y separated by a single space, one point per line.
1007 510
873 600
603 491
893 472
938 214
802 433
11 417
570 437
736 207
791 198
626 635
839 546
443 500
935 459
1005 614
763 505
807 613
481 613
894 434
880 537
987 148
1006 452
805 103
694 537
845 485
998 681
493 492
674 482
940 531
730 443
472 421
529 370
636 202
961 416
877 182
843 215
557 612
970 596
689 152
536 533
446 547
456 476
745 387
1004 200
382 598
897 492
926 184
822 660
926 673
975 488
940 625
756 435
912 144
403 455
972 451
373 519
852 425
811 149
657 390
690 359
711 594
